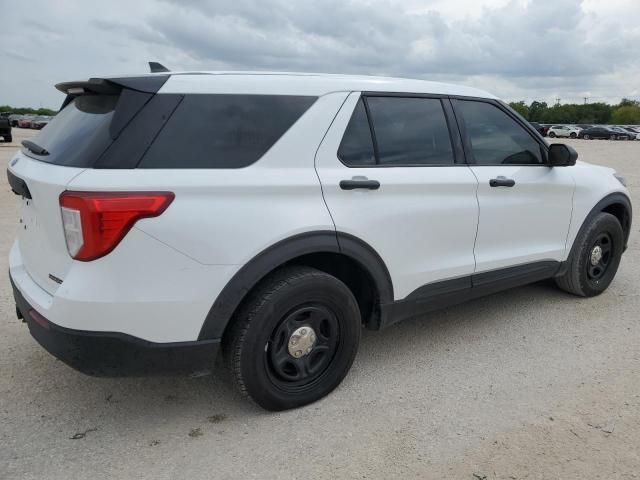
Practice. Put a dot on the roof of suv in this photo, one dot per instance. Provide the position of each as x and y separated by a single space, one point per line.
288 83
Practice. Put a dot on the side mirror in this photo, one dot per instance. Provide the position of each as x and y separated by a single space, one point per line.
561 155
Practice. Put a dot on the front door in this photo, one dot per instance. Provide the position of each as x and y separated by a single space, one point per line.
525 205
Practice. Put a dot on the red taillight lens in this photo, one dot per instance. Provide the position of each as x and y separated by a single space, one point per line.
95 222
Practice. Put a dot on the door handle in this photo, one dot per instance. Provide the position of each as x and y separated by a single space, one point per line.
502 182
354 184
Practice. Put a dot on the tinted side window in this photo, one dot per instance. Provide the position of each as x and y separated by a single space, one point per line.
356 147
223 131
496 138
410 131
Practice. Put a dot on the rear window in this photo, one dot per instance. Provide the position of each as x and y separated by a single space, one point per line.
79 134
223 131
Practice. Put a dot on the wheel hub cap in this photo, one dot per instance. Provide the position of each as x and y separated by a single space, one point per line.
301 342
596 255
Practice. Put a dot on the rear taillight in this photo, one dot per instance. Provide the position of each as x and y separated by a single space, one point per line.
95 222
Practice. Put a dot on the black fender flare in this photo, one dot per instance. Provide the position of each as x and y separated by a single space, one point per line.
323 241
611 199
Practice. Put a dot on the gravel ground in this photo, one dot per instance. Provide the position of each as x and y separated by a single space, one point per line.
529 383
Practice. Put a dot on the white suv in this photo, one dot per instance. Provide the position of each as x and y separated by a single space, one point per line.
563 131
274 215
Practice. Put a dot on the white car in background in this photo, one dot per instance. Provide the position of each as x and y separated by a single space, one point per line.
563 131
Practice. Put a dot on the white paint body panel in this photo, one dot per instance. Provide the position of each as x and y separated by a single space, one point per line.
524 223
422 221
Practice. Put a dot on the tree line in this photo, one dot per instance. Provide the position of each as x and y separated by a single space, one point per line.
627 112
27 111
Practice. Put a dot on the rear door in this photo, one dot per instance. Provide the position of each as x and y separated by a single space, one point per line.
393 175
525 205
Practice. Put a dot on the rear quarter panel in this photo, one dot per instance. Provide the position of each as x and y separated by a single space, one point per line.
227 216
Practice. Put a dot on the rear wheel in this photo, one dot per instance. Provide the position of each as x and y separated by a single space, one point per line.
586 137
295 338
612 137
596 258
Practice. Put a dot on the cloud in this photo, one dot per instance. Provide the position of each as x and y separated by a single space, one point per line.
525 49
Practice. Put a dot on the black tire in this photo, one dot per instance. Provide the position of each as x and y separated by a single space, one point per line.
258 346
572 135
8 138
583 277
586 137
552 134
612 137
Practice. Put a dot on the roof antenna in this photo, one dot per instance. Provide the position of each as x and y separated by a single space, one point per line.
156 67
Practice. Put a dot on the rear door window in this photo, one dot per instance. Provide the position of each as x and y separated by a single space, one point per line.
356 147
223 131
410 131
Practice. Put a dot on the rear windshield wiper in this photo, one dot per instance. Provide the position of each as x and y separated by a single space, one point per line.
34 147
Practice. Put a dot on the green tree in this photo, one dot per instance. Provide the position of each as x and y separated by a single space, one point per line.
626 115
536 111
521 108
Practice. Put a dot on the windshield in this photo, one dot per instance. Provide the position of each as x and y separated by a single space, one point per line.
79 134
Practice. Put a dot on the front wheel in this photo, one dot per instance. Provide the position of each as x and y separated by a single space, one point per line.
8 138
612 137
586 137
552 134
294 339
572 135
595 257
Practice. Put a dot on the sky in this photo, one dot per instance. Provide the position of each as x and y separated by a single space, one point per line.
516 49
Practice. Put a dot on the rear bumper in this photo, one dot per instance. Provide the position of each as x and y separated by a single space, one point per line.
114 354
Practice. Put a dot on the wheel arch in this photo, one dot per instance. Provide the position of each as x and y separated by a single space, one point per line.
347 257
617 204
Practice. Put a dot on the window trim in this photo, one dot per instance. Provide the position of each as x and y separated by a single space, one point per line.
466 140
455 140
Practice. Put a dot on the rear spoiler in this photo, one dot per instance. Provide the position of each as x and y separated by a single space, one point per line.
147 84
135 93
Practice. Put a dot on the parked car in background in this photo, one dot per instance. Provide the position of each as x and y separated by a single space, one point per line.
541 130
5 129
13 119
40 122
622 134
597 132
583 125
635 133
25 121
563 131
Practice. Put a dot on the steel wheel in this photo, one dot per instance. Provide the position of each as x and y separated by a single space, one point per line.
600 254
302 346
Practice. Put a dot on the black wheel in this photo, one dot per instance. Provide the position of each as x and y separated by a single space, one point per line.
8 138
294 339
586 137
552 134
612 137
572 135
594 258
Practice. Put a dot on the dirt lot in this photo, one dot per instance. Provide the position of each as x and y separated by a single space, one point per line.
530 383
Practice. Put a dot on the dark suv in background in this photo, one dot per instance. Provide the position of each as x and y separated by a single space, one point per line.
5 128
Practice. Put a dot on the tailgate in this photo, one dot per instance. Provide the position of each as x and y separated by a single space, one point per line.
40 235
